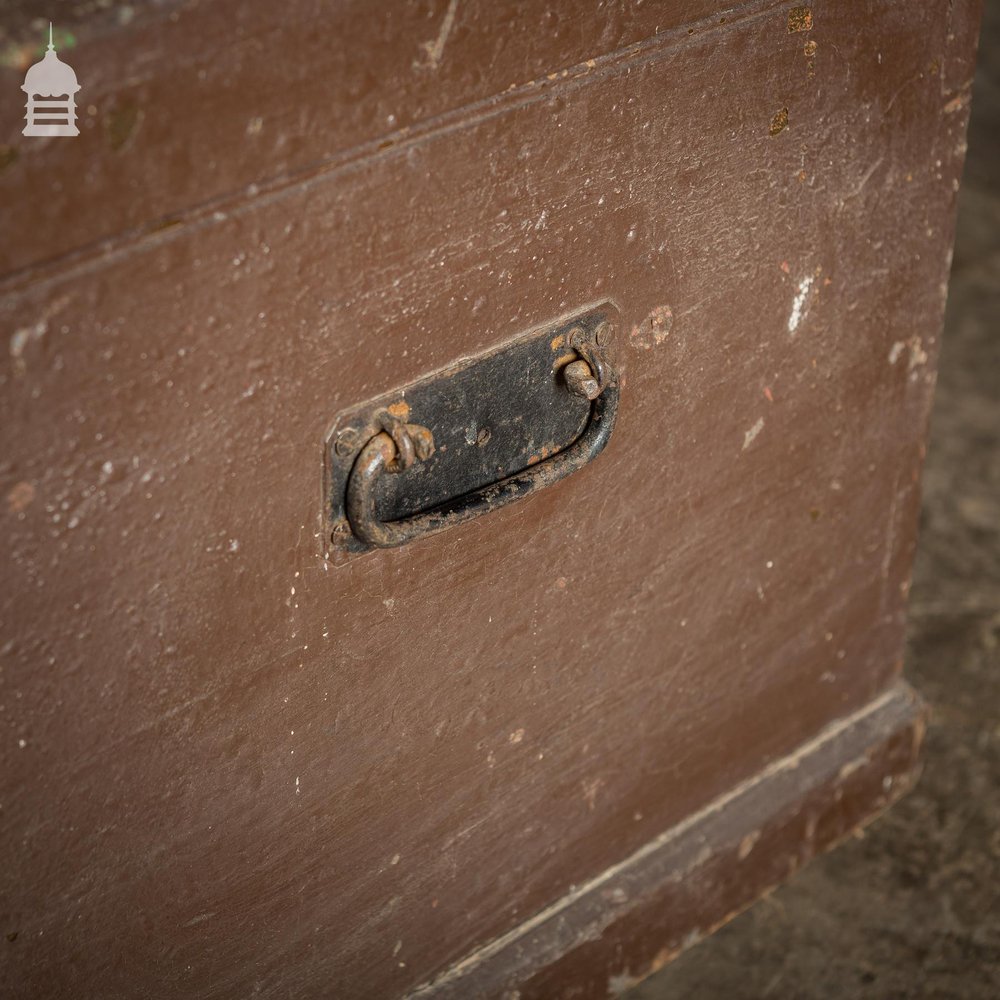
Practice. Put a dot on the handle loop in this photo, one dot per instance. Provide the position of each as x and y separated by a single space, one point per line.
383 454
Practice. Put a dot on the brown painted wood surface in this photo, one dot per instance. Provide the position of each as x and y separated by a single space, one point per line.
636 916
198 102
232 766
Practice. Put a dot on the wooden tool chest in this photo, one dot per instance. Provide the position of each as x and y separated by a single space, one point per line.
314 277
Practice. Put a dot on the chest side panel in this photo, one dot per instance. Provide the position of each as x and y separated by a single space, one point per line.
290 772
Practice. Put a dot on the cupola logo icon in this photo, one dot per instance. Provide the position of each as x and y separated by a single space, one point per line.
51 87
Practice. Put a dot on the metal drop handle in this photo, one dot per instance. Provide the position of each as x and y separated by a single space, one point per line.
398 445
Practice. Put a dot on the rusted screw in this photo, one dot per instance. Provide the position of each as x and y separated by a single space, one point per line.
483 436
605 333
580 380
347 440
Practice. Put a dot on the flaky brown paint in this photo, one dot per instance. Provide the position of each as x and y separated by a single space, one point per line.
230 768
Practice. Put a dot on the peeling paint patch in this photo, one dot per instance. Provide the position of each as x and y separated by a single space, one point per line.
800 19
622 982
809 51
617 895
20 497
918 356
21 338
779 122
798 304
957 104
750 436
747 844
654 329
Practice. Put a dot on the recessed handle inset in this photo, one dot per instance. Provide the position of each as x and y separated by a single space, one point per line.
475 437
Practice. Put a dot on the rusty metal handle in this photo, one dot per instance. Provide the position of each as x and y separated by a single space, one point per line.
379 456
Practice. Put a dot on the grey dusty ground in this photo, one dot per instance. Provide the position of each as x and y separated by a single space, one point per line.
912 909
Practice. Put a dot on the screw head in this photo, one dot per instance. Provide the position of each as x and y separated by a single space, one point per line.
605 333
347 440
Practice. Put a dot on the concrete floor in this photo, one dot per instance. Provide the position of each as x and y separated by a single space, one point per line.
912 908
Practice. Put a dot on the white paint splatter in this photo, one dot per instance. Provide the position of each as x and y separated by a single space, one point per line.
620 983
22 337
798 304
750 435
918 356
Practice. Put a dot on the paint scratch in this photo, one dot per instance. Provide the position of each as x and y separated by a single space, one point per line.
750 435
435 49
798 304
